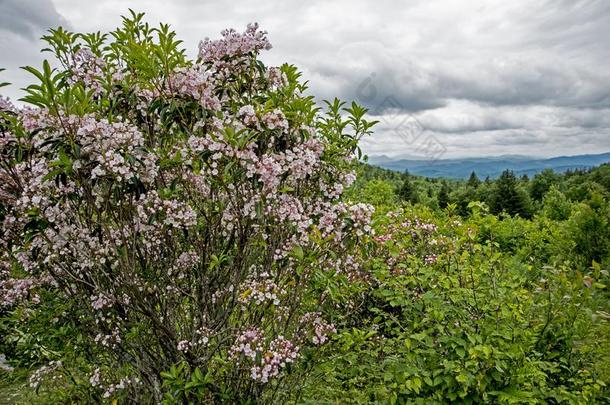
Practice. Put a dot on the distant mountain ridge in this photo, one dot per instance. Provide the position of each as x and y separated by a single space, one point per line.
488 166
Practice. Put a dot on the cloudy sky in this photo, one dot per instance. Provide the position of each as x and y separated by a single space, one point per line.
445 78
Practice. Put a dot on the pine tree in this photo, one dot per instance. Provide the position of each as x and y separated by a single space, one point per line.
473 181
443 196
508 197
407 191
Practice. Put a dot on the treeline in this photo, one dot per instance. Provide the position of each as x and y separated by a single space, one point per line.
577 197
508 194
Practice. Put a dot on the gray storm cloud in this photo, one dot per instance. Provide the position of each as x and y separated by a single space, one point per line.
28 18
482 77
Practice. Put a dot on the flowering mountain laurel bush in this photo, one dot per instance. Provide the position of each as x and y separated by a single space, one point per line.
184 209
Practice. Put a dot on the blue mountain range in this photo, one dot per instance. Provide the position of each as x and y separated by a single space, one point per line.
488 166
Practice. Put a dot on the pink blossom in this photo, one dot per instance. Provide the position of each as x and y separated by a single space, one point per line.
248 116
430 259
6 104
275 120
275 77
197 83
234 44
88 68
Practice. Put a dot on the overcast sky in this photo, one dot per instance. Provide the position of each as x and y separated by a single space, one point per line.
446 78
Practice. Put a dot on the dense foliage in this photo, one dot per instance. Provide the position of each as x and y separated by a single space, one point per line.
190 231
176 207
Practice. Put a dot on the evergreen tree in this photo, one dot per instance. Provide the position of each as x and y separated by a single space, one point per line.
407 191
462 198
473 181
443 196
508 197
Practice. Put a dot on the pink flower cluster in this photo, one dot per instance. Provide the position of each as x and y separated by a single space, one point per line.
430 259
361 216
265 362
6 104
334 219
276 120
101 301
275 77
258 292
290 166
234 45
197 83
335 190
172 213
183 346
348 265
281 352
248 344
418 224
197 340
320 330
45 372
13 291
113 146
109 340
97 381
185 262
248 116
89 69
416 238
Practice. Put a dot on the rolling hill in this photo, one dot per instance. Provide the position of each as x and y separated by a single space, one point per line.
488 166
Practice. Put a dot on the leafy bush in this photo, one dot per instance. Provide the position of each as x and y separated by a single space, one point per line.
180 208
452 317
